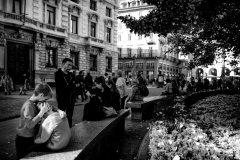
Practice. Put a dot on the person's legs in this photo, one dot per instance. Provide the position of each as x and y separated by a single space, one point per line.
69 112
123 102
23 146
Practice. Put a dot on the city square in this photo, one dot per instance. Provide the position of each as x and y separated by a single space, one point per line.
119 79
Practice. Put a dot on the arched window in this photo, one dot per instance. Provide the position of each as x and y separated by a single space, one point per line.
213 71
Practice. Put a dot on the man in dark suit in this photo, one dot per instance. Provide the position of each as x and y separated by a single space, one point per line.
65 85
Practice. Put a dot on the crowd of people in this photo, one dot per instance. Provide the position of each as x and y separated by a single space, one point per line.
205 84
47 128
9 86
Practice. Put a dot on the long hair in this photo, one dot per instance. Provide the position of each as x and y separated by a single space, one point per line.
114 87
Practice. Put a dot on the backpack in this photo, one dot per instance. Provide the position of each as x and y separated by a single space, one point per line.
92 110
145 91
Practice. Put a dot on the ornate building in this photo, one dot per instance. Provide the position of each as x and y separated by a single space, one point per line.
36 36
149 55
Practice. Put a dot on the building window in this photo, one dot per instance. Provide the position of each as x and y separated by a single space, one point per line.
150 51
93 62
93 5
108 35
140 37
129 51
51 57
16 8
139 50
150 65
119 52
74 24
138 3
109 64
151 35
108 12
119 37
50 15
75 58
129 65
129 37
129 4
139 65
93 29
120 65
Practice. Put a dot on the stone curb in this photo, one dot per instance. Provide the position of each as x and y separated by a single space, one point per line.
143 149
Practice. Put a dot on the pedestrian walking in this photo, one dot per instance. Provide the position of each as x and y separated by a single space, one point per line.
65 86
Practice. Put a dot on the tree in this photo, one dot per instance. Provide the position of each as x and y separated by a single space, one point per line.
207 29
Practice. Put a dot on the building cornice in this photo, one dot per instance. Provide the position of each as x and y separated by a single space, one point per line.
133 9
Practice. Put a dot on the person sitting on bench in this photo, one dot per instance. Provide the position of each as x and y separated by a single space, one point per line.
138 90
54 132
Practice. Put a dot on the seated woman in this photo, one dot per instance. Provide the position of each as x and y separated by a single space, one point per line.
169 88
116 99
105 96
137 90
54 132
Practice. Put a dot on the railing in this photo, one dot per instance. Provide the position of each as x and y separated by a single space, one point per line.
92 39
151 41
25 19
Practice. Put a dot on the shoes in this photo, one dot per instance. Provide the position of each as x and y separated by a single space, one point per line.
5 93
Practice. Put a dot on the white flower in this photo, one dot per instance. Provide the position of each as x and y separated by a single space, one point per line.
170 141
160 144
160 131
176 157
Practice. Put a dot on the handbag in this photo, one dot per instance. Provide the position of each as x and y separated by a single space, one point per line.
109 111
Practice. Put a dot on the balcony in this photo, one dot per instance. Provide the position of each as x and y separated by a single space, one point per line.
37 24
92 41
151 41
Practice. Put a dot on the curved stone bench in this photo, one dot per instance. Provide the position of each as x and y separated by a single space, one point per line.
87 138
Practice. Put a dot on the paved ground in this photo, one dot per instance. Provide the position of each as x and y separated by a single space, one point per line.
8 126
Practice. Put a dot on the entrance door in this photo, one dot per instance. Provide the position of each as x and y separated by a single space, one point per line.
17 61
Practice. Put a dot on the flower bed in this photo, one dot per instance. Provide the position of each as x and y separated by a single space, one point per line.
208 130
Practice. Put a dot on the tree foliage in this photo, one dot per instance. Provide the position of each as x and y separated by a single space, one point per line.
207 29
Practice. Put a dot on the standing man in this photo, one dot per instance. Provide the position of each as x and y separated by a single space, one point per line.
65 86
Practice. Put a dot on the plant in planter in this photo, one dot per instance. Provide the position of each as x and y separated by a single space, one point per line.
210 129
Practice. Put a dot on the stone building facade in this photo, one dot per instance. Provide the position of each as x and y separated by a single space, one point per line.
35 35
150 55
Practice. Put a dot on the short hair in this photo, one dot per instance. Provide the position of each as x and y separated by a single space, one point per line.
43 88
106 74
119 73
66 60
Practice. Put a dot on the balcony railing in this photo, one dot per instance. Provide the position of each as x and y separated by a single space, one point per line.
25 19
151 41
94 40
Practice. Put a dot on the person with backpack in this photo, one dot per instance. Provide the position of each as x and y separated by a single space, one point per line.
139 90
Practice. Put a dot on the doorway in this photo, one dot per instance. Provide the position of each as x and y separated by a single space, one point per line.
18 62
